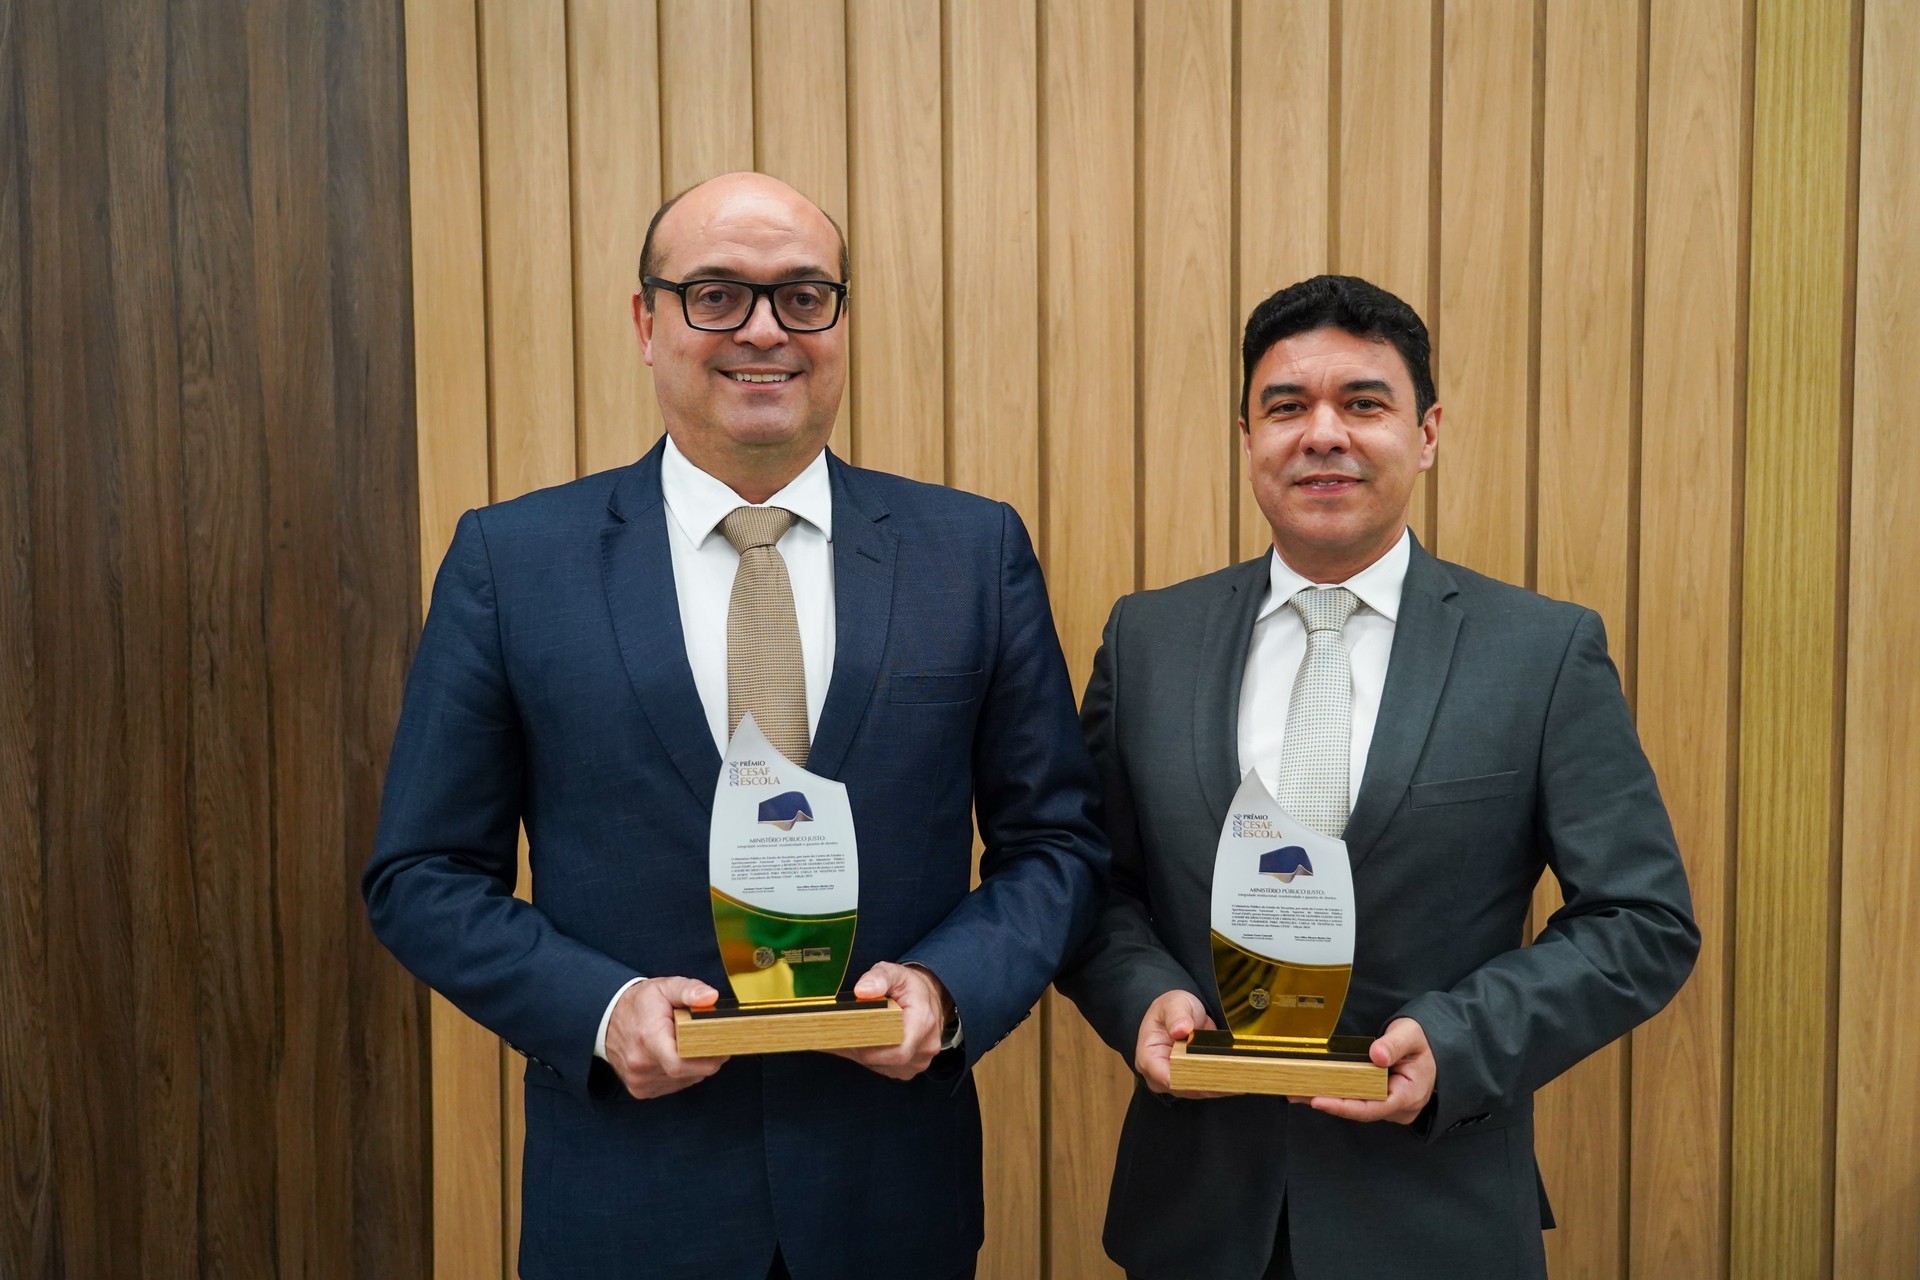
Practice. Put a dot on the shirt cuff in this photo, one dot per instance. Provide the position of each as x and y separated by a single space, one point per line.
600 1037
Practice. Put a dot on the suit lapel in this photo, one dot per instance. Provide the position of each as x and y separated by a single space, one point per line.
1423 640
864 553
1216 697
637 568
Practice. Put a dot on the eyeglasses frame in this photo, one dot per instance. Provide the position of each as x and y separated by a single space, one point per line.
836 287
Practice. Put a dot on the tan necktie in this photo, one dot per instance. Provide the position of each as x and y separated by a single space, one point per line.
765 673
1314 758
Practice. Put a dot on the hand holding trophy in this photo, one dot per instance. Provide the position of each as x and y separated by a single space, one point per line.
784 882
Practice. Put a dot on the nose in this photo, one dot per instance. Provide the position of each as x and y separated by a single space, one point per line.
1325 431
762 328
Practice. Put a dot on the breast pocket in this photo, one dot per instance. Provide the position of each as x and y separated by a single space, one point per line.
927 688
1486 786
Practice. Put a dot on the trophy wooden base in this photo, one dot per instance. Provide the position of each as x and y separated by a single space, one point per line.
842 1022
1213 1062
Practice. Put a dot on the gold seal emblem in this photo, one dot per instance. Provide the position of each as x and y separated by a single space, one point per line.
763 957
1257 997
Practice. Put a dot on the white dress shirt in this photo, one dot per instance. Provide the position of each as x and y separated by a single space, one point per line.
704 564
1279 645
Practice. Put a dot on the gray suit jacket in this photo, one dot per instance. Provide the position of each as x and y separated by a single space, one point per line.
1503 747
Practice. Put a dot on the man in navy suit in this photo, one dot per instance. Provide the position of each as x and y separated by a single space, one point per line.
573 676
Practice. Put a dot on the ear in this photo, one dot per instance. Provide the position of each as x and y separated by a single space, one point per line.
643 326
1430 428
1246 439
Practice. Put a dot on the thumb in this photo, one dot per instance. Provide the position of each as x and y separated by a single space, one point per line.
1395 1043
874 983
689 993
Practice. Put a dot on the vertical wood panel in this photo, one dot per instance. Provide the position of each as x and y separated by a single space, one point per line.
614 95
1877 1138
154 643
1283 144
993 447
800 115
27 1227
1383 172
1691 411
1087 110
1486 263
454 452
289 177
898 306
221 407
1783 1014
378 543
529 273
1586 458
706 90
1185 339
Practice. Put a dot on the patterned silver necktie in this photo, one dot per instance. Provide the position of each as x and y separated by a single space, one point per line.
1319 742
765 671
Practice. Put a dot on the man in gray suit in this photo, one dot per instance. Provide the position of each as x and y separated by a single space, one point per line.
1480 736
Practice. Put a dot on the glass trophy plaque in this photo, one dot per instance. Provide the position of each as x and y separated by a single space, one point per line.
784 884
1283 928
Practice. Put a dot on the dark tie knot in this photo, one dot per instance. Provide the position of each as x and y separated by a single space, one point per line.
1324 609
747 527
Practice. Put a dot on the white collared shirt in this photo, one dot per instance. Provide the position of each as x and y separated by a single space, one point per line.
1280 643
704 564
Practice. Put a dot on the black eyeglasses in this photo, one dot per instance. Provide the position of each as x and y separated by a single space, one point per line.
722 306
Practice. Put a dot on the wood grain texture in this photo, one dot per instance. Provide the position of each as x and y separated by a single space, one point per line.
27 1224
1276 1077
788 1032
1187 274
1285 74
1383 171
1486 287
800 116
896 231
1783 1014
993 447
1876 1232
613 95
1089 303
1586 455
1686 660
454 454
184 430
706 90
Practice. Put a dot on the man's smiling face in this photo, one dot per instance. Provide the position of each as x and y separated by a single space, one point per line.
759 393
1333 449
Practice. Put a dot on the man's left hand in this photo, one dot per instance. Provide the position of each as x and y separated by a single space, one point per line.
1403 1050
923 1001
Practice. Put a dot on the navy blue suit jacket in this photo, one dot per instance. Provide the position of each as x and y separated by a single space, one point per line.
552 688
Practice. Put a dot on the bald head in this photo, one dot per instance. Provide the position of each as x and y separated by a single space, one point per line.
708 205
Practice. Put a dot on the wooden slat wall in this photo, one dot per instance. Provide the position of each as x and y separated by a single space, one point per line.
1671 258
207 1065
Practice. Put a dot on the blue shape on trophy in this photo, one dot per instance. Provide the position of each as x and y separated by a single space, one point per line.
1284 864
786 809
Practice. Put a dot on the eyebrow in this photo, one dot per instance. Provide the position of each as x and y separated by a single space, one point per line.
711 272
1274 390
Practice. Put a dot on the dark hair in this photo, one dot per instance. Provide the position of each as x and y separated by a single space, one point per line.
1350 304
650 266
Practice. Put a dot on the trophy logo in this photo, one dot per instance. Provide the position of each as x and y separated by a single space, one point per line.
763 957
1284 864
1258 997
785 809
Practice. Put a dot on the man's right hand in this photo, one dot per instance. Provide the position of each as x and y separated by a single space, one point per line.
1173 1017
641 1044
